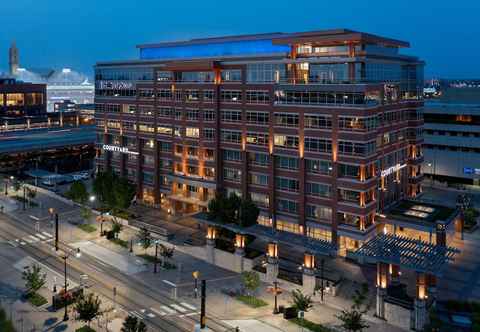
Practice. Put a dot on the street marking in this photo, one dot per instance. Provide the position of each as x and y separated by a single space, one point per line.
168 310
27 239
158 312
136 314
13 244
23 243
143 311
178 308
151 315
33 238
190 314
47 234
40 236
187 305
49 240
34 218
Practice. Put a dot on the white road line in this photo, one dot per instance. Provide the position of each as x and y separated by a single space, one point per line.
187 305
34 218
151 315
193 314
168 310
178 308
136 314
40 236
13 244
23 243
49 240
27 239
33 238
158 312
47 234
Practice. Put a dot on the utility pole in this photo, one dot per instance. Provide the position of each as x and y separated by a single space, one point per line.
56 231
156 257
24 197
322 266
202 308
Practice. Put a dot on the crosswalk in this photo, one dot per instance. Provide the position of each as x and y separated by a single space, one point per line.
42 237
182 309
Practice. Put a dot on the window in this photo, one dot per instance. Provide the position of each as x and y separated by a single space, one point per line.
265 72
209 154
257 138
286 119
178 114
148 160
260 199
145 110
349 195
286 141
208 96
34 98
232 155
164 76
209 134
195 76
258 159
145 128
285 205
258 97
317 166
15 99
231 96
349 171
163 130
164 112
318 212
260 118
317 145
318 121
289 163
356 148
192 115
287 184
231 75
231 116
147 177
192 152
322 98
357 123
258 179
231 136
348 219
318 189
164 95
208 115
232 174
192 95
192 132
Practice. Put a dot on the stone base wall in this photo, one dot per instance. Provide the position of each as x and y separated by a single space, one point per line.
398 316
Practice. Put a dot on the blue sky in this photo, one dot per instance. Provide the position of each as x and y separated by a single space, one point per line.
78 33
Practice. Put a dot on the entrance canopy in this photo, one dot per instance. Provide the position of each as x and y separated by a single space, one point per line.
405 252
314 246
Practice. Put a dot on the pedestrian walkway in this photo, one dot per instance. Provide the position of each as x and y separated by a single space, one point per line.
182 309
42 237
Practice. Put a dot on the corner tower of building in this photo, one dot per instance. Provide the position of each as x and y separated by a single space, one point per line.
13 59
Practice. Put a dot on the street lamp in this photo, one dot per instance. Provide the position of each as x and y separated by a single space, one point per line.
92 198
275 291
195 275
156 257
65 256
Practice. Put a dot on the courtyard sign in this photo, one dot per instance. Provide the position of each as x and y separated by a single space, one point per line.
121 149
390 170
115 85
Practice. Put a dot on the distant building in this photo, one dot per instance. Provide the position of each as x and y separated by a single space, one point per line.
19 99
452 137
13 59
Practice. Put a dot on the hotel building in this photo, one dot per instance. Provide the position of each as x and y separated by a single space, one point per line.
322 129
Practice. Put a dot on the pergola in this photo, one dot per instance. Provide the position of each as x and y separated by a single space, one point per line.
412 254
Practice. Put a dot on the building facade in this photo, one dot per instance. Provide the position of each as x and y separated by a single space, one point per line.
452 141
322 130
18 99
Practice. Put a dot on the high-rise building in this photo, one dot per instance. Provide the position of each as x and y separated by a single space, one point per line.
322 129
13 59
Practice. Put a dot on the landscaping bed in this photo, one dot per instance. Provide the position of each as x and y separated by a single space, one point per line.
251 301
5 324
120 242
85 329
89 228
151 259
36 299
314 327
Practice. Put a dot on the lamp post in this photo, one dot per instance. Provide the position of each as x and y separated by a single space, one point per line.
65 256
24 196
195 275
56 231
275 291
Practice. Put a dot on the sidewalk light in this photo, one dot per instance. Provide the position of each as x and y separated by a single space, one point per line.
195 275
92 198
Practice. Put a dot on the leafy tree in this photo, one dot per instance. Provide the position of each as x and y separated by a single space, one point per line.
145 238
250 281
301 301
352 319
166 252
31 193
16 185
34 278
470 215
116 228
123 192
85 213
248 213
88 308
132 324
78 192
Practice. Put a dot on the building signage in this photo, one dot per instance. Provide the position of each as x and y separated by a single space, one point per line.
115 85
390 170
121 149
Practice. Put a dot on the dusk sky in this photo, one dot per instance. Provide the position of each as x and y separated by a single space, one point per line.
78 33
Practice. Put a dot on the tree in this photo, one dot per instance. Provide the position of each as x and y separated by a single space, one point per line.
16 185
113 191
85 213
233 210
116 227
352 319
250 281
88 307
248 213
145 238
34 278
132 324
166 252
78 192
301 301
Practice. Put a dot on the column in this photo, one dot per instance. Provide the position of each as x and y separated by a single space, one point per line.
432 287
210 247
382 282
272 262
309 279
239 252
394 274
420 309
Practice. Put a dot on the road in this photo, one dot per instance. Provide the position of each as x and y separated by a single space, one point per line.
156 308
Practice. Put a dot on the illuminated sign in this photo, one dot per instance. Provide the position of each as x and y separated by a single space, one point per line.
121 149
115 85
390 170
